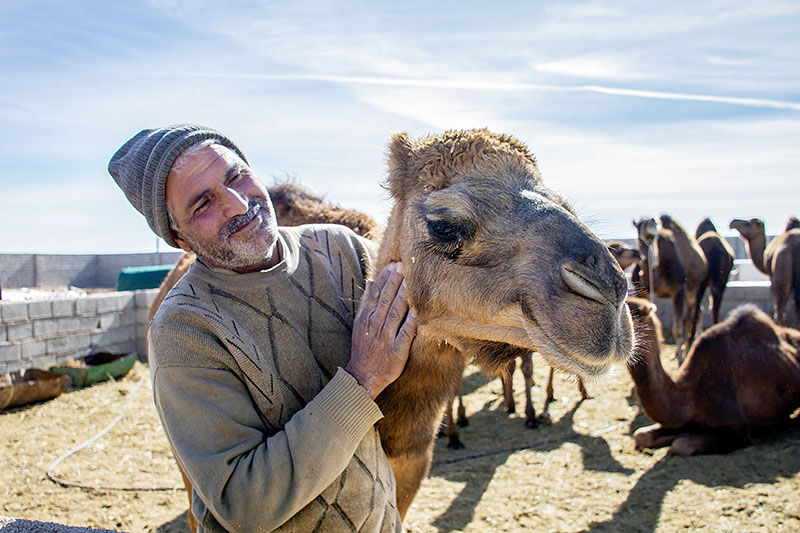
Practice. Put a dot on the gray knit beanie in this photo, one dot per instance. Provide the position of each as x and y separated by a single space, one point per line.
141 166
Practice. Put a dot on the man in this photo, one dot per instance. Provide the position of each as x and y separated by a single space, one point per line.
264 374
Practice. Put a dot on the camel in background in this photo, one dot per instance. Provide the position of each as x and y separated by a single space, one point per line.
780 260
624 254
497 266
719 258
792 223
742 375
669 276
694 263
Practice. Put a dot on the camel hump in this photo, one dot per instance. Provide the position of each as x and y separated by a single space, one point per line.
751 319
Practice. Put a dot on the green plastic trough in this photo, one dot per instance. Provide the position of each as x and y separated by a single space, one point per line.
96 368
146 277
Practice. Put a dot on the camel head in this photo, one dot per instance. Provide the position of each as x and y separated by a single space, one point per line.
792 223
624 254
497 264
750 230
704 226
668 222
646 229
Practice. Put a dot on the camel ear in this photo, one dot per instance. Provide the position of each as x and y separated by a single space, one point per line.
398 163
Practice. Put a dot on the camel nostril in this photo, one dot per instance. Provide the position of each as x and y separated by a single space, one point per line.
580 281
598 284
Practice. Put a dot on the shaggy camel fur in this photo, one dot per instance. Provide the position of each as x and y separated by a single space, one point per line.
780 260
741 376
624 254
660 256
719 258
497 266
294 206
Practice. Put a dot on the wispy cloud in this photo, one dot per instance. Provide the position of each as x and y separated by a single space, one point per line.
494 86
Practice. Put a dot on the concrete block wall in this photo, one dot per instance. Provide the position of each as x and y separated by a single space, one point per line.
40 334
736 294
85 271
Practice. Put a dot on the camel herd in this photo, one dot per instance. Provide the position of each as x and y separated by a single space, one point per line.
499 266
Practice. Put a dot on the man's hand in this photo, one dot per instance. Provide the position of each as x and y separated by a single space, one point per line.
383 329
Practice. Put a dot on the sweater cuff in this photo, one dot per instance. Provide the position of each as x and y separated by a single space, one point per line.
349 404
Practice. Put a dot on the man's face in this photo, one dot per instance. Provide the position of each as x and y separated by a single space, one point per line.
222 210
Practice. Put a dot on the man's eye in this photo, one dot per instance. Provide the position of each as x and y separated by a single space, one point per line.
201 207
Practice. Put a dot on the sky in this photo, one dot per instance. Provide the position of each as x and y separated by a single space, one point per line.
631 108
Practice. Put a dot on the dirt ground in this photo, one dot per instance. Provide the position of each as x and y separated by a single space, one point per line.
579 473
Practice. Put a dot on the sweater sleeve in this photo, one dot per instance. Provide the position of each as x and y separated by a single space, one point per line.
248 480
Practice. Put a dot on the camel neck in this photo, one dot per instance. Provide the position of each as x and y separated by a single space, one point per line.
755 248
660 397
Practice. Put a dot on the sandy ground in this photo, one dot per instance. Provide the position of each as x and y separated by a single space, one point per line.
580 473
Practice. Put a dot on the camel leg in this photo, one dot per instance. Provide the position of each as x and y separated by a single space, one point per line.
549 389
719 440
409 471
582 389
678 309
780 299
527 372
507 378
451 428
461 419
655 436
189 516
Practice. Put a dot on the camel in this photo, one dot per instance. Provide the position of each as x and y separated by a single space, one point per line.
741 376
657 245
780 260
792 223
496 265
624 254
294 205
694 262
719 258
452 422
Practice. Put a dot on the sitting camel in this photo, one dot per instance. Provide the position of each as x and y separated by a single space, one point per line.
624 254
497 266
742 375
719 258
780 260
669 276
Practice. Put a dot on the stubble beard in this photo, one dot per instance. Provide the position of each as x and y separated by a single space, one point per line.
232 253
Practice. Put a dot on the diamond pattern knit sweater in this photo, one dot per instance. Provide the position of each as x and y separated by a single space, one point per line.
247 381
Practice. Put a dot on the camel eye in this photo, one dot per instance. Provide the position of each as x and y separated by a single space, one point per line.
446 232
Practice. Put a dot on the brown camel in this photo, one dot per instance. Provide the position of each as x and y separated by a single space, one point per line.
497 266
719 258
294 206
792 223
669 276
780 260
741 376
694 262
624 254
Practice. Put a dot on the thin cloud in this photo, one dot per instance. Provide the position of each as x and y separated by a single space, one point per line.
502 86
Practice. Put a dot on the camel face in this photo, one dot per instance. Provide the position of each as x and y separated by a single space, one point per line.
647 229
624 254
496 263
749 229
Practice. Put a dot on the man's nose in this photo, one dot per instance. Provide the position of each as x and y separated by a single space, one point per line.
234 203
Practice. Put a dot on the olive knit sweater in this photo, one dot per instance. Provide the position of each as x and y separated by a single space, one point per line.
247 381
